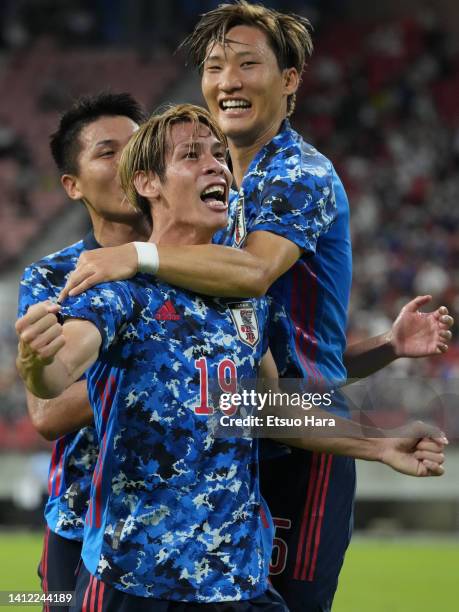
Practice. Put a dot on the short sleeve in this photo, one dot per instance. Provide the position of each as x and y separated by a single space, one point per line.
34 288
108 307
297 205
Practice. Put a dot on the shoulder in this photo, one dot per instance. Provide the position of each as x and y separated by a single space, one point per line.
128 294
104 293
45 278
63 260
295 161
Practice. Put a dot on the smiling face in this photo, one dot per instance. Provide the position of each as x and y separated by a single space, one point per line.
244 87
192 197
96 183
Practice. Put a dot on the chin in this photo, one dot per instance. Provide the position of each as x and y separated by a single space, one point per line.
238 133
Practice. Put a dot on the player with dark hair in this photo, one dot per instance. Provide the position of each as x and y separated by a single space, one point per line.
86 148
290 222
175 513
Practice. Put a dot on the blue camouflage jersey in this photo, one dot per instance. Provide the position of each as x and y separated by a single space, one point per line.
74 455
292 190
175 512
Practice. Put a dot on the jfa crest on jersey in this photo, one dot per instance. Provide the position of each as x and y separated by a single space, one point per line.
246 322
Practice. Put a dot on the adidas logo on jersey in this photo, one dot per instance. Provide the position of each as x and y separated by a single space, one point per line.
167 312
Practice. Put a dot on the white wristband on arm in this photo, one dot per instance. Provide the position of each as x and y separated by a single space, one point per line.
147 256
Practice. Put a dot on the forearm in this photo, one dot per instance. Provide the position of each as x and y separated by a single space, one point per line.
45 381
47 377
208 269
213 270
351 438
67 413
369 449
368 356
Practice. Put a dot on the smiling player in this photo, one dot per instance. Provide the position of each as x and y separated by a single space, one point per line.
290 224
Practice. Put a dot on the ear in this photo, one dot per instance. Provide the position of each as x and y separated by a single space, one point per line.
291 81
147 184
70 183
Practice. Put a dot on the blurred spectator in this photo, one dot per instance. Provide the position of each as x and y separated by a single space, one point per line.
380 100
377 103
11 144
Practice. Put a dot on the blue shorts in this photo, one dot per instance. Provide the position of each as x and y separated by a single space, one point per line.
311 498
93 595
58 566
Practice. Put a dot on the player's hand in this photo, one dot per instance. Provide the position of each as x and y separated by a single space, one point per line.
40 336
101 266
418 452
421 334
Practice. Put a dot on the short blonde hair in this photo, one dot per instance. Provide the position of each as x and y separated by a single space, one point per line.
289 35
147 150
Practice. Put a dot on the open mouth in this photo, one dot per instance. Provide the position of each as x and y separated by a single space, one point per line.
215 197
234 105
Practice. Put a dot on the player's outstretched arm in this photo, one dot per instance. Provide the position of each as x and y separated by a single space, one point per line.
68 412
209 269
416 450
52 356
414 454
413 334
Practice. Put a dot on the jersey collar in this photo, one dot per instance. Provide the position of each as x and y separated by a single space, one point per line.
280 140
90 242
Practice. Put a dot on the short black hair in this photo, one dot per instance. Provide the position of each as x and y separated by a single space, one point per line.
65 144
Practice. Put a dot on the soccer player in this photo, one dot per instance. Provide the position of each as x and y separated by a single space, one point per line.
175 514
86 149
290 222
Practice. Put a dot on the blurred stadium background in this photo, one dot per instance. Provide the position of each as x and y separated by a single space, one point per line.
381 99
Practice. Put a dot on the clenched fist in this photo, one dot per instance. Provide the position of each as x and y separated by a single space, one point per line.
40 336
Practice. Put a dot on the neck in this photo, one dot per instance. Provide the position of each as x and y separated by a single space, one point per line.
112 233
171 233
244 149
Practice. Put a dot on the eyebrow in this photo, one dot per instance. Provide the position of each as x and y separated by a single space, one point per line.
104 143
192 144
216 56
187 143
